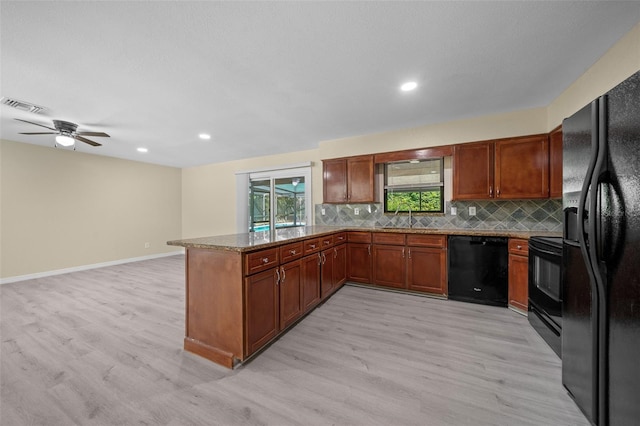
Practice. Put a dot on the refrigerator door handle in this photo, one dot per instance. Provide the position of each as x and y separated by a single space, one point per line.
594 252
584 236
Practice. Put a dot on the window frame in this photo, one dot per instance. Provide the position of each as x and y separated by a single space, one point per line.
420 188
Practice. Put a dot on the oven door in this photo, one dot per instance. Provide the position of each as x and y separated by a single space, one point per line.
545 280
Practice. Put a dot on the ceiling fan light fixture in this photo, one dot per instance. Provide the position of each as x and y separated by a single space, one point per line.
65 140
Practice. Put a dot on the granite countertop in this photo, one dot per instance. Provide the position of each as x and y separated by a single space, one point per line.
265 239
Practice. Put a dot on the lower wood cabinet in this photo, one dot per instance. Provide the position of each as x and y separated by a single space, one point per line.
333 269
359 257
427 270
262 302
310 281
389 260
290 290
519 274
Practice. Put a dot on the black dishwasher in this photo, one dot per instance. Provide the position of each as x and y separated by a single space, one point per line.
478 269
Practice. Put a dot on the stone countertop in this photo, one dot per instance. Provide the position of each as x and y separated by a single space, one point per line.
265 239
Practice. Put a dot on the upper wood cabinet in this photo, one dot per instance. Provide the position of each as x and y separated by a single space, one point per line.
514 168
348 180
555 163
473 171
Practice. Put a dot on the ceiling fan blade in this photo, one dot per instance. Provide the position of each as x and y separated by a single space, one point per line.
39 133
36 124
85 140
101 134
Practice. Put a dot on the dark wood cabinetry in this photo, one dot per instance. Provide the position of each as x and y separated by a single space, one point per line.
290 290
514 168
333 269
555 163
473 171
310 281
389 261
348 180
427 263
519 274
262 314
359 257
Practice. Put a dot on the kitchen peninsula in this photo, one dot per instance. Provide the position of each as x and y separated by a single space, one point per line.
244 290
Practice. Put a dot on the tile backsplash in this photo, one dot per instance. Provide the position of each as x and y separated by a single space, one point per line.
528 215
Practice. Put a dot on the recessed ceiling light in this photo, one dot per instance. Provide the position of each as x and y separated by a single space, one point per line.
408 86
143 150
204 136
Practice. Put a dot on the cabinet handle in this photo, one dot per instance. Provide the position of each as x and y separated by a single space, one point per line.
369 249
409 252
403 252
498 192
335 253
265 260
292 251
277 276
490 190
319 259
519 247
284 275
312 246
324 258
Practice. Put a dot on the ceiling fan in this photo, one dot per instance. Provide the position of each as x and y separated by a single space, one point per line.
66 133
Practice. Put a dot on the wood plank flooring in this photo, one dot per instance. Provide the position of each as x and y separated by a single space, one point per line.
104 347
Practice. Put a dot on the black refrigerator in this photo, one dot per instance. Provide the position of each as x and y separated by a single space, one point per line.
601 256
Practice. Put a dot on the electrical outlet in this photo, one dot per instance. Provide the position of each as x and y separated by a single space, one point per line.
356 211
454 211
323 211
147 245
472 211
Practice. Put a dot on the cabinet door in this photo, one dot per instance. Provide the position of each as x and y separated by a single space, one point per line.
334 181
261 313
555 163
359 262
360 179
310 281
473 171
326 273
389 266
519 282
290 293
427 270
339 265
522 168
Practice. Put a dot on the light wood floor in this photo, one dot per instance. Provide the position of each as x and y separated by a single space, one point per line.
104 347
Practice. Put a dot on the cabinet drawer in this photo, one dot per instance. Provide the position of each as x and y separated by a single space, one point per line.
417 240
359 237
340 238
519 246
388 238
261 260
326 242
311 246
290 252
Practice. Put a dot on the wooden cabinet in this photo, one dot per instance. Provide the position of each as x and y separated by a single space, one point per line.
348 180
473 171
519 274
333 269
262 309
359 257
310 281
290 291
427 263
522 168
514 168
389 261
555 163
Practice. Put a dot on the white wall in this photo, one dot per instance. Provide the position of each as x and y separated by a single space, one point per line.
63 209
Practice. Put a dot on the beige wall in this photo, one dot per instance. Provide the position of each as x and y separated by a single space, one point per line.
63 209
209 192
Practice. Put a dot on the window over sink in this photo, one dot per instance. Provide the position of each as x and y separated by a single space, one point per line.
415 185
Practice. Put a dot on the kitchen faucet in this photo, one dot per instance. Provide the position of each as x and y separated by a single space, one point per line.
410 217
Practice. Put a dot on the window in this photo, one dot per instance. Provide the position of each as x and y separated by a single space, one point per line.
416 185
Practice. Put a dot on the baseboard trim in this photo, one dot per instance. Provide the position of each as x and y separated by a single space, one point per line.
86 267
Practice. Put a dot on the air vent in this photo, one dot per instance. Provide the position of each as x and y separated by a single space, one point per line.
21 105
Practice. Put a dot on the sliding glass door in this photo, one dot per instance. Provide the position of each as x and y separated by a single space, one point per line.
279 200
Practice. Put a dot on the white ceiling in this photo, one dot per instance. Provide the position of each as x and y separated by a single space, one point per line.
272 77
